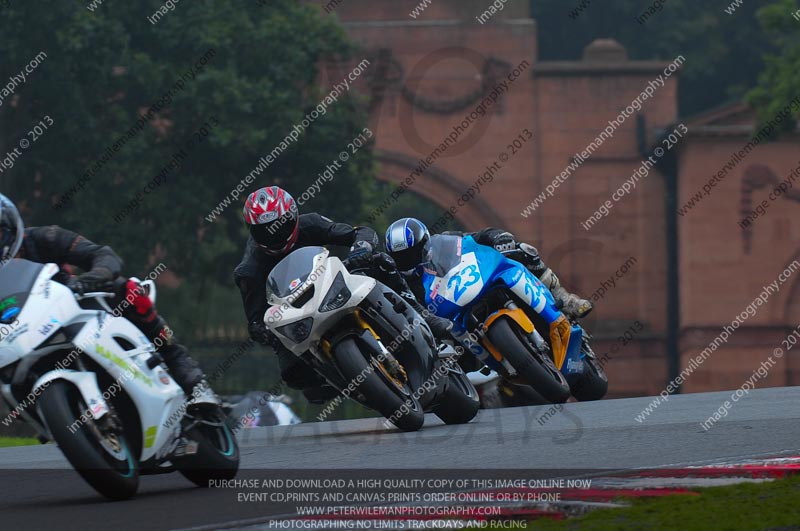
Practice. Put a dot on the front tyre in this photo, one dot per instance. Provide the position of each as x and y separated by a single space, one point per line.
398 406
103 460
545 380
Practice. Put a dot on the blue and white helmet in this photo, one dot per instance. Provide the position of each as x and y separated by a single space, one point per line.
406 241
12 230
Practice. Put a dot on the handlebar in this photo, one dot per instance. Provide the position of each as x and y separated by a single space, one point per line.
94 295
100 296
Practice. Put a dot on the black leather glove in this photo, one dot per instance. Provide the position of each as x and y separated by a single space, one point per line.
260 334
384 262
91 282
360 256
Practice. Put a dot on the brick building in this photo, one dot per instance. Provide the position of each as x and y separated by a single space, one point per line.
683 277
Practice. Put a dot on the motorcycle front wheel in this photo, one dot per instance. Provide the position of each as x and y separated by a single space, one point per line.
103 460
545 380
381 393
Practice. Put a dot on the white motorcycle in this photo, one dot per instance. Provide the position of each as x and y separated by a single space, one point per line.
365 340
93 383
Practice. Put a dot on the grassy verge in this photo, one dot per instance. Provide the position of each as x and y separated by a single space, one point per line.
743 507
6 442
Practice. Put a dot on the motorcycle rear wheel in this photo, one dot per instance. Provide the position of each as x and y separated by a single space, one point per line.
107 465
592 384
460 402
217 456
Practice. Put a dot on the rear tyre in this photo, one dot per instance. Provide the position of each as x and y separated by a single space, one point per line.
399 407
545 380
217 456
592 384
104 461
460 403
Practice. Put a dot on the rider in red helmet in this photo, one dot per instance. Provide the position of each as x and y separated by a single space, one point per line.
276 229
272 217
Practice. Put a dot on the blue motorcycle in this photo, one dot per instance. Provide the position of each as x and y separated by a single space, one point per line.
508 319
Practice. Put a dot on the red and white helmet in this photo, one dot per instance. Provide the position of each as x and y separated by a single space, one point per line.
273 218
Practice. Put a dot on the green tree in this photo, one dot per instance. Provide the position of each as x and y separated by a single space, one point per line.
247 73
723 52
779 83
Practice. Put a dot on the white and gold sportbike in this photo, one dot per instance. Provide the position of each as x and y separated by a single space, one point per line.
366 341
89 380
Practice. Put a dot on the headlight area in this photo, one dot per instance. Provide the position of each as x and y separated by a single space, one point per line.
337 296
297 332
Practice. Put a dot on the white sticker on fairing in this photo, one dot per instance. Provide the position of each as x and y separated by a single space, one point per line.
462 283
532 293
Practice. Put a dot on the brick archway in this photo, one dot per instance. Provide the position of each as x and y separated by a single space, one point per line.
439 186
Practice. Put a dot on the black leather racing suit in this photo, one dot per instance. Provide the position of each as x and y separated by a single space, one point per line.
53 244
251 277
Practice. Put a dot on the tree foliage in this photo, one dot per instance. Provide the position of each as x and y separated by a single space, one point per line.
105 68
723 52
779 83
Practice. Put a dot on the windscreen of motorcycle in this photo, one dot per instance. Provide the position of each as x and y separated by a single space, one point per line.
17 278
292 271
444 253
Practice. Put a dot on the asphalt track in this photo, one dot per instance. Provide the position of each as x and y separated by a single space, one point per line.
38 490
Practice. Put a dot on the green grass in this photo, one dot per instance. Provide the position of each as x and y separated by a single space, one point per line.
743 507
6 442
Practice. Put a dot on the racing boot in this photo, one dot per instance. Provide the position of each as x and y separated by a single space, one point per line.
567 302
183 368
187 374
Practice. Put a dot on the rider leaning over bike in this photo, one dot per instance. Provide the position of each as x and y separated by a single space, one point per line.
276 229
407 238
407 243
102 266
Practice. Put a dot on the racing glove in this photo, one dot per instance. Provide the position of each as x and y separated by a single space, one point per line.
93 281
384 263
360 256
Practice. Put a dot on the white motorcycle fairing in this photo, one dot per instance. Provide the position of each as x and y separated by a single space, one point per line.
51 320
284 317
